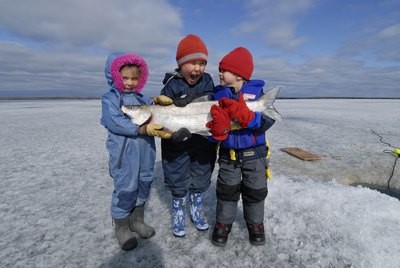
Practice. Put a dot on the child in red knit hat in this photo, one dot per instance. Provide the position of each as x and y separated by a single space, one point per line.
188 164
242 152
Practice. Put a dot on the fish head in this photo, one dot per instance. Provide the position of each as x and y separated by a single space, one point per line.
137 113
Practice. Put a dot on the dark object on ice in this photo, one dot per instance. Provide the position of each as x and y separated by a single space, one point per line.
137 224
256 234
126 239
220 234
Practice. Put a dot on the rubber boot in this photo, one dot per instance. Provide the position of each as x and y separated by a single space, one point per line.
126 239
196 211
178 216
136 220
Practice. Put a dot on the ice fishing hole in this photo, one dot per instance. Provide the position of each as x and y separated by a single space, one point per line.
382 189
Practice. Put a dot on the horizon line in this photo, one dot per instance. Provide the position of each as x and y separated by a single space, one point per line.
99 98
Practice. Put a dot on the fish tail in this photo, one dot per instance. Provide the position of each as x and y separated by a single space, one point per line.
270 109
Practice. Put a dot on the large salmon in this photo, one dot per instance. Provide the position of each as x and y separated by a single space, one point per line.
195 115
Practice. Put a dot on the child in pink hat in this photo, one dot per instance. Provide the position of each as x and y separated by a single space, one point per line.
127 143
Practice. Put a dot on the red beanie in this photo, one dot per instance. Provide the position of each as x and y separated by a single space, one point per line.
239 61
191 48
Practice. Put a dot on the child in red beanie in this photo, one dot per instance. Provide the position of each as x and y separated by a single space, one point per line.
188 164
242 153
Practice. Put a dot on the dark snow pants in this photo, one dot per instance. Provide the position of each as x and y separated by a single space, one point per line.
245 178
188 165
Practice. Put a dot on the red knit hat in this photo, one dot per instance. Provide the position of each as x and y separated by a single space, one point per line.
191 48
239 61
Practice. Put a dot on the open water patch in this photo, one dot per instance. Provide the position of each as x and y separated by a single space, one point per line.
382 189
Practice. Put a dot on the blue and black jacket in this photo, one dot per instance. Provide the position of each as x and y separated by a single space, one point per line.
175 86
253 136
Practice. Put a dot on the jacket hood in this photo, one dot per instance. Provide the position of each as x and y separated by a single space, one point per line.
114 63
169 76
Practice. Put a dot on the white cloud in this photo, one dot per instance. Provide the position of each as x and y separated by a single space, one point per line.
283 36
115 25
276 21
390 32
29 70
381 44
64 44
386 43
328 76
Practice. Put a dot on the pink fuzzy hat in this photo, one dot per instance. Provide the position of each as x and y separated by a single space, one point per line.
125 59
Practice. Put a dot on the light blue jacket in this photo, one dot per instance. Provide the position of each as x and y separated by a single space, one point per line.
131 156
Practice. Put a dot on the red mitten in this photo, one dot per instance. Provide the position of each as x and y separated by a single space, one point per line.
220 124
237 110
232 107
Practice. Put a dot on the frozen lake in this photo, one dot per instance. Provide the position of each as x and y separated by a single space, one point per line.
55 192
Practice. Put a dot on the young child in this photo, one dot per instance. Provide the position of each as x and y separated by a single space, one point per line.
242 153
131 147
188 164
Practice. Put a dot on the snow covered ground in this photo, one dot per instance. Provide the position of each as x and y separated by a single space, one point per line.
55 192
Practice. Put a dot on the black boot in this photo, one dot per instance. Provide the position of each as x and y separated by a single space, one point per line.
256 234
220 234
137 224
126 239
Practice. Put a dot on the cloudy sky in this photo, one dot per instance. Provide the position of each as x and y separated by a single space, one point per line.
311 48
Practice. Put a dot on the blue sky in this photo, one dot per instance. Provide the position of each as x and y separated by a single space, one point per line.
325 48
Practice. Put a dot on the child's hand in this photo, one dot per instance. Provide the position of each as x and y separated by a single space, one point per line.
155 130
230 106
181 135
182 102
237 110
162 100
220 125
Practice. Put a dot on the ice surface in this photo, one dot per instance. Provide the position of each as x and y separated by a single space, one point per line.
55 193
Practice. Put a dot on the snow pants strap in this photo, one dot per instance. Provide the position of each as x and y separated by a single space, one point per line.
241 155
